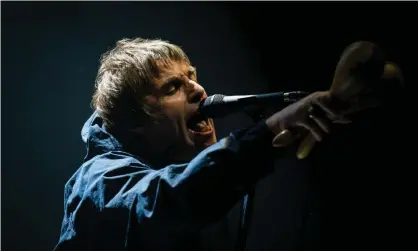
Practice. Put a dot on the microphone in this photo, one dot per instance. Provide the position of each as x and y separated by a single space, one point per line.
218 105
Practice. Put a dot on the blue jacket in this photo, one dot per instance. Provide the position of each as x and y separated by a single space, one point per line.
116 201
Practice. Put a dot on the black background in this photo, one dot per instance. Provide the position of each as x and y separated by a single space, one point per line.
355 191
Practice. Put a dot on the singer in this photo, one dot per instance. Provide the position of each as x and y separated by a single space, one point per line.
153 175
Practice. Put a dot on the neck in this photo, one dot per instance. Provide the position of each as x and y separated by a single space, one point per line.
137 145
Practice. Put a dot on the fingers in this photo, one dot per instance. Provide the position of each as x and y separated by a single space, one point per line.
342 121
306 146
323 123
335 116
313 114
315 124
314 128
284 138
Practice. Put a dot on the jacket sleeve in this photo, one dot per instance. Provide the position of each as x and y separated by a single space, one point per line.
193 195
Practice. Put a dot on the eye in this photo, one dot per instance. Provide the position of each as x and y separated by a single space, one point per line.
173 86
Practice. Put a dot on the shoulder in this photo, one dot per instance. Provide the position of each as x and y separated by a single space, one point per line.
112 161
112 168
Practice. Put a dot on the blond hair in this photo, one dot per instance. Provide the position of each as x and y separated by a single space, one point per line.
125 76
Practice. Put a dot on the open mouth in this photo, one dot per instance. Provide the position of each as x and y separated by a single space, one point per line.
199 125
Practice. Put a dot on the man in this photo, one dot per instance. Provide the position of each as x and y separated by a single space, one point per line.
153 175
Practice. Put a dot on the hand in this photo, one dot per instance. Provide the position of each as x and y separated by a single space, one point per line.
311 113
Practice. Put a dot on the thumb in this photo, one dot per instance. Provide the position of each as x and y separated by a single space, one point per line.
282 139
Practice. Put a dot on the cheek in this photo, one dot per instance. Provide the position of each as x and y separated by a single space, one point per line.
174 109
169 128
166 127
173 112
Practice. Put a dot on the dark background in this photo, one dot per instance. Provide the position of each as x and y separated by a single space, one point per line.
355 191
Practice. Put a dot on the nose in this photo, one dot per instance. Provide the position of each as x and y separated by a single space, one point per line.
197 93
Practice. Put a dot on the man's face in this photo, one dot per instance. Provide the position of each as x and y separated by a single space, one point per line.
176 96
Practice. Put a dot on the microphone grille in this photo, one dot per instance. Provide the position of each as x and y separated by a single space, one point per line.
214 99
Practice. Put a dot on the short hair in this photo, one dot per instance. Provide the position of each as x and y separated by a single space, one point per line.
125 76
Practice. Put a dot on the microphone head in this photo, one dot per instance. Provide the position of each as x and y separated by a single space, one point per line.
213 100
211 106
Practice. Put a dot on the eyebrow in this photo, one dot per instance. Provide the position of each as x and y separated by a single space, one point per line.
168 81
192 71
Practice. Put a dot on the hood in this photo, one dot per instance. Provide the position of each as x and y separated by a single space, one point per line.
97 139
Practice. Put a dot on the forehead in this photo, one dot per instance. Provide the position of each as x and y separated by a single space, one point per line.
172 69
